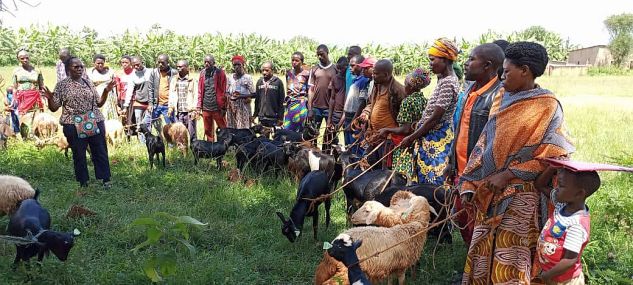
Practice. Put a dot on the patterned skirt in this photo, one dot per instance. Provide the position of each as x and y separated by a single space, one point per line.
503 248
295 114
238 115
431 153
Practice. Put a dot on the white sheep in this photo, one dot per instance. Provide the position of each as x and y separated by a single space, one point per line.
44 125
115 134
405 207
13 190
416 214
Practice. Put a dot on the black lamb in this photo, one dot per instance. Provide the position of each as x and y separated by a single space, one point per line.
205 149
155 146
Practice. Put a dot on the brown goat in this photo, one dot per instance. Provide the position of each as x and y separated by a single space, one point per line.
177 133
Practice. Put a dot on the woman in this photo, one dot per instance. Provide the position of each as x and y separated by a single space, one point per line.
297 82
101 76
27 84
410 112
434 134
80 112
240 86
526 123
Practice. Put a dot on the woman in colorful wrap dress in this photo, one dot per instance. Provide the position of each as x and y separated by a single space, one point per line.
297 94
525 124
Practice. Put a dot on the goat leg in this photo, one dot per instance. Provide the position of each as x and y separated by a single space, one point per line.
328 204
315 221
163 153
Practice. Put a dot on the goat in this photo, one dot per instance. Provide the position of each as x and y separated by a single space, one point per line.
313 185
205 149
155 146
32 221
240 136
344 250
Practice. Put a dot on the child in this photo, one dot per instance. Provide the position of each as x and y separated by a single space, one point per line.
566 232
11 106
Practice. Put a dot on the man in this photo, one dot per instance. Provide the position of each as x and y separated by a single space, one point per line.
383 107
269 98
159 80
481 68
183 97
60 69
352 98
319 83
337 104
137 98
212 97
349 75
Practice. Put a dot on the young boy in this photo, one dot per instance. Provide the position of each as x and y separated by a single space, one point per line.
566 232
11 106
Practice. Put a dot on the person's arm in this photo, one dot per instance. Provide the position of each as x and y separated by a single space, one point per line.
430 123
403 129
151 88
281 94
129 91
40 79
331 106
105 93
258 98
568 260
311 88
201 91
54 99
173 95
543 181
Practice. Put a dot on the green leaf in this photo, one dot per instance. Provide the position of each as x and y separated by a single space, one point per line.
154 234
167 264
189 246
144 222
189 220
149 267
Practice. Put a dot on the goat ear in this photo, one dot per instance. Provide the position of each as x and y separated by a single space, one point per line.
281 216
356 244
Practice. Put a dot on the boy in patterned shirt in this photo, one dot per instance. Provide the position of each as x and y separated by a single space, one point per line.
566 232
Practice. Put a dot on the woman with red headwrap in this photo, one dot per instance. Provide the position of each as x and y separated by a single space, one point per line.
241 89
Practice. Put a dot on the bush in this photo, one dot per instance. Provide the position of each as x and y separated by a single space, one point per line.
608 70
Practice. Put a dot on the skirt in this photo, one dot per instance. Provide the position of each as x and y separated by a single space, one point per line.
431 154
295 114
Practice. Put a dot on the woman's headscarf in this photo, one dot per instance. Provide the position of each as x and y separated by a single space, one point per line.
445 48
418 79
238 58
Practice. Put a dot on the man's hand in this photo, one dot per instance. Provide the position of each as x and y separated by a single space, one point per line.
384 132
406 142
363 117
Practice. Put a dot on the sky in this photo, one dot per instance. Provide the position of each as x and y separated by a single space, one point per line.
339 22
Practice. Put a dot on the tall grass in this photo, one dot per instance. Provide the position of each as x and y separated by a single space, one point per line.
243 243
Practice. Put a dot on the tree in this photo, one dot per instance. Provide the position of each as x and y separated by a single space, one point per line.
620 29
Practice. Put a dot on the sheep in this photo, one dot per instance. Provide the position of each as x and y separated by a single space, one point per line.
205 149
343 249
405 207
177 134
13 189
32 221
44 125
393 261
115 133
62 144
313 185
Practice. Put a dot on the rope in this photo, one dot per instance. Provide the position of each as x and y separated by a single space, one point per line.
327 196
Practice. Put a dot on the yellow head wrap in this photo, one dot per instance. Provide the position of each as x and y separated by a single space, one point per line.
445 48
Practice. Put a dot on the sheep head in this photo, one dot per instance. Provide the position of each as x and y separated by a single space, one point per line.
369 212
288 228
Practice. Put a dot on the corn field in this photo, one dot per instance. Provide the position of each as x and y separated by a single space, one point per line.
43 42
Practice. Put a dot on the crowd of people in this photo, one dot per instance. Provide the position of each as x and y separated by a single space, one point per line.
484 135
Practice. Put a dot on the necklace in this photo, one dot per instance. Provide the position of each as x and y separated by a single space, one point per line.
325 67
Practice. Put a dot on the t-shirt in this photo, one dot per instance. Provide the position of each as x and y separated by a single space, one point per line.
444 96
356 92
338 90
562 233
27 80
163 89
320 79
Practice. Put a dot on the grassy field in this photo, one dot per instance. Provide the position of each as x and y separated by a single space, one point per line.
242 243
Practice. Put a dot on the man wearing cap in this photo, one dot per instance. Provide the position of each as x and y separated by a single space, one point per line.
382 107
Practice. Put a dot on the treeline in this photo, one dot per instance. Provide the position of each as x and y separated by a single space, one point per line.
43 42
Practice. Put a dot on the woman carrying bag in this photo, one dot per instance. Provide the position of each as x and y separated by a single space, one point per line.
82 121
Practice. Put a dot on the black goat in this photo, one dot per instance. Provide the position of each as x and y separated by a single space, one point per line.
240 136
155 146
245 153
368 185
344 250
32 221
205 149
435 194
307 159
271 155
309 133
313 185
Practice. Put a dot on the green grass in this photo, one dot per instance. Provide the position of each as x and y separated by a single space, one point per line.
243 243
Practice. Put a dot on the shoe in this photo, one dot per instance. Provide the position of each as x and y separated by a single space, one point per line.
107 184
83 185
